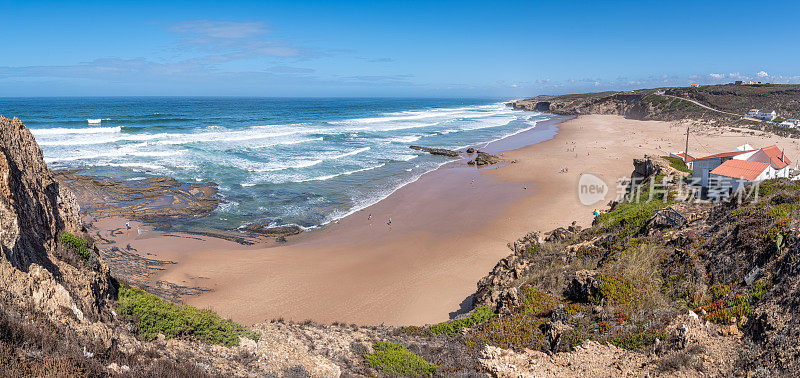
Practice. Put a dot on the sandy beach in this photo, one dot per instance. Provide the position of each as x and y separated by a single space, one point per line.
445 233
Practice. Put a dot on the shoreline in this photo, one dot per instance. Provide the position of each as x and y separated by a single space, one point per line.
445 234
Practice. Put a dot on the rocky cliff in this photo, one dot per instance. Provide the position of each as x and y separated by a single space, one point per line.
34 213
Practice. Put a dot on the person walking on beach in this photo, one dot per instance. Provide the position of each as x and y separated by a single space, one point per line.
389 223
473 183
369 218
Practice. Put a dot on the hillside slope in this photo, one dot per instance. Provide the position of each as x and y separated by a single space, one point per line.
669 104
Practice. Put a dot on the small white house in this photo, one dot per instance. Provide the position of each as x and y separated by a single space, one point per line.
788 124
752 113
767 115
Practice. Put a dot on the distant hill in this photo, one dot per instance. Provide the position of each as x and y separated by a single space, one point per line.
727 102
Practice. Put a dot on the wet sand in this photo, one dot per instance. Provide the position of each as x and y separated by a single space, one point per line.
445 234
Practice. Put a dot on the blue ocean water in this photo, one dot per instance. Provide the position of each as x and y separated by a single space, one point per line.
304 161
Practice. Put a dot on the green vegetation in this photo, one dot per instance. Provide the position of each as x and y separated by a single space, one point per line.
76 244
537 303
396 359
631 215
639 338
154 316
677 163
722 311
616 290
760 288
452 328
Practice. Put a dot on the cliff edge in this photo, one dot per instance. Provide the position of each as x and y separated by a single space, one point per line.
34 213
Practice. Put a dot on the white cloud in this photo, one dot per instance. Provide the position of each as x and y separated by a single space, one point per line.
762 74
716 75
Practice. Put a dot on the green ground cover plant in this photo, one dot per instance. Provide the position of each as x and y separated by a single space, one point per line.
396 359
154 315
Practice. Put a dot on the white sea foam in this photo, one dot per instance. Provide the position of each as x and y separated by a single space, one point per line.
85 130
406 139
288 143
351 153
114 154
153 167
328 177
406 157
302 164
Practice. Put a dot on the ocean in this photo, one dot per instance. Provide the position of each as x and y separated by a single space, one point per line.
288 161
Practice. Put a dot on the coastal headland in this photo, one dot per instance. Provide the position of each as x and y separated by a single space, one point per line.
448 229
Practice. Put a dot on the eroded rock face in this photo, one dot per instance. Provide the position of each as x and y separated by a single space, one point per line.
34 211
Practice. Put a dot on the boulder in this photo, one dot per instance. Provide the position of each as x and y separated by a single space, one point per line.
484 159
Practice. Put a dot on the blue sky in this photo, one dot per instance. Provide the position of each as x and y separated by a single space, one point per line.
389 48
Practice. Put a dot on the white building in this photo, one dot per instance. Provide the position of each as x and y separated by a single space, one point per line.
788 124
752 113
736 165
767 115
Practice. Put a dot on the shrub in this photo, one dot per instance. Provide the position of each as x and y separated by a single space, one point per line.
154 316
452 328
614 290
630 216
638 339
760 288
395 359
721 312
537 303
76 244
516 331
677 163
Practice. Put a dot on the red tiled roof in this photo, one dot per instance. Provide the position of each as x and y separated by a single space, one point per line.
775 155
684 156
740 169
724 154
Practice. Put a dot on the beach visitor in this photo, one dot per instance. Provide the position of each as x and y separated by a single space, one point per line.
389 223
127 225
369 218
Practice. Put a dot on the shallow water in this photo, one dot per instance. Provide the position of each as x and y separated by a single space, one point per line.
288 161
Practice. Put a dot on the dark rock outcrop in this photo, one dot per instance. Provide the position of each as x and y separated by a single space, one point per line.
436 151
150 199
484 159
583 286
264 229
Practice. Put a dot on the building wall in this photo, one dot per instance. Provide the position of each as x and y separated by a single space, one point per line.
702 167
